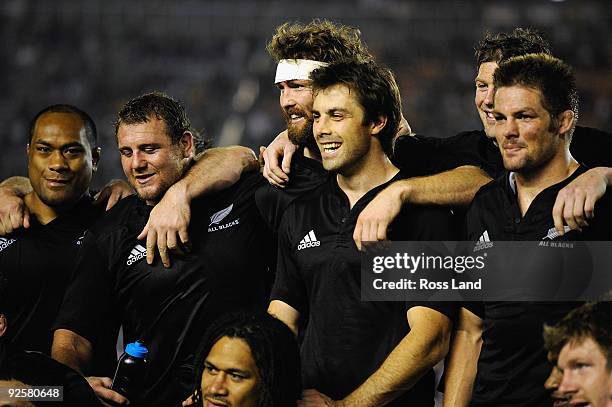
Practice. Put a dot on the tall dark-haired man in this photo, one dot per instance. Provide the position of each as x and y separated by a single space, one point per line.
169 309
318 276
62 158
535 110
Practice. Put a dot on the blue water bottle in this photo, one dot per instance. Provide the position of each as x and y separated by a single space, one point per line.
131 369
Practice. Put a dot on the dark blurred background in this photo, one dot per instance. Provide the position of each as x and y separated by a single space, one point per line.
97 54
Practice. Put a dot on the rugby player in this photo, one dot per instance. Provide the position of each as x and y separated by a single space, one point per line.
169 309
583 342
535 110
356 112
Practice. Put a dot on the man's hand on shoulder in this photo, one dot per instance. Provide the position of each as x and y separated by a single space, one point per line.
575 203
13 211
166 229
113 192
277 160
102 387
376 217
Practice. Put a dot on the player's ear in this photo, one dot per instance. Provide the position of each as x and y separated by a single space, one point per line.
377 125
566 121
187 144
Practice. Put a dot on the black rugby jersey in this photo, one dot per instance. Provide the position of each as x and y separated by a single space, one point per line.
170 309
432 155
512 366
305 176
38 262
345 339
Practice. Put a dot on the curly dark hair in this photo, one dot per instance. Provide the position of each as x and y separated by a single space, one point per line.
163 107
502 46
90 127
319 40
376 91
274 349
591 320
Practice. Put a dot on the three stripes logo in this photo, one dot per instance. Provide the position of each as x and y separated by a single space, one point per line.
4 243
484 242
484 237
310 240
136 254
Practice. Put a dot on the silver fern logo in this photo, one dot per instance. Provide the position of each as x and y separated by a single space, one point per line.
217 217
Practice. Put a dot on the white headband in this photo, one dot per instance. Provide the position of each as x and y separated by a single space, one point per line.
295 69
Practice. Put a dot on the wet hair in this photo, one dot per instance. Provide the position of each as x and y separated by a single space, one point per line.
502 46
163 107
553 78
90 127
274 350
591 320
376 91
319 40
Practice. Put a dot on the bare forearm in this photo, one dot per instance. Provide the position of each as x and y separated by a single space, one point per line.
414 356
462 365
71 350
456 187
217 169
20 186
606 172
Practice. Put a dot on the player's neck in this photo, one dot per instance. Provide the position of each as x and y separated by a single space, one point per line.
43 212
313 153
372 170
530 183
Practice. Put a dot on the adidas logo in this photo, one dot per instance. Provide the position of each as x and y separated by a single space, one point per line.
4 243
484 237
484 242
310 240
136 254
553 233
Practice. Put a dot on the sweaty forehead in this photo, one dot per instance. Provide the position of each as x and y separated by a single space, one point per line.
59 127
232 353
517 97
152 131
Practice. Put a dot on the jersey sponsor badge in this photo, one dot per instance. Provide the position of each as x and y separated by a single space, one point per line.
137 253
310 240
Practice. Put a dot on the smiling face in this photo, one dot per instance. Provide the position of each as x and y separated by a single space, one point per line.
150 161
296 103
60 160
484 95
230 377
586 376
341 135
522 129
